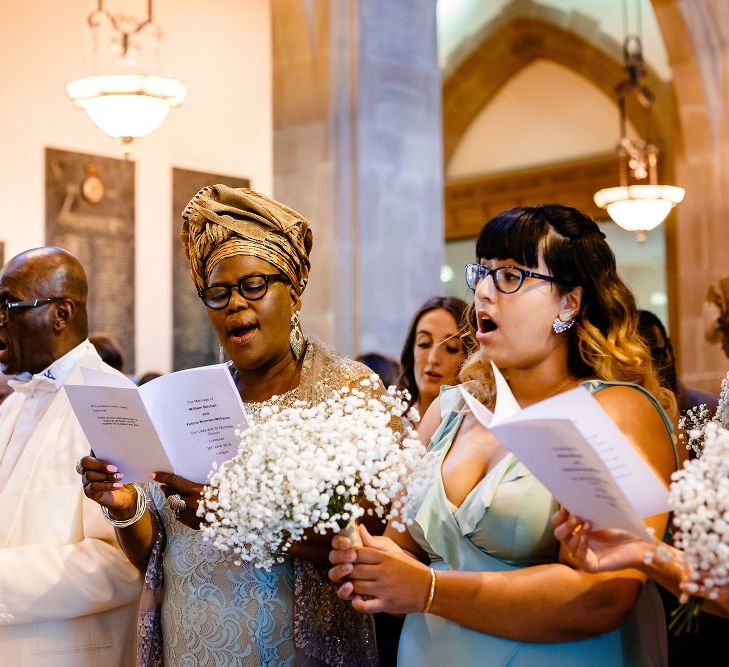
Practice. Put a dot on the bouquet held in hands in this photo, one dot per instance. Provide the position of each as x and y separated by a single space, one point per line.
317 468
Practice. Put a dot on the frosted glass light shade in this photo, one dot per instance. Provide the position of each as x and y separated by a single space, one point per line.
126 106
639 208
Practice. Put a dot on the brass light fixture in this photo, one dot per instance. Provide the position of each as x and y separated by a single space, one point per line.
125 104
643 204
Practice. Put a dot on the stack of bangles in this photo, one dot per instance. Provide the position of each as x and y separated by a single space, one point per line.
431 594
138 514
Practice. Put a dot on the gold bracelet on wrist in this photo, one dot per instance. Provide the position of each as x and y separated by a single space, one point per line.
431 594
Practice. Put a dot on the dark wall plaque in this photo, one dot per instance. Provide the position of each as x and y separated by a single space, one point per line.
90 213
194 341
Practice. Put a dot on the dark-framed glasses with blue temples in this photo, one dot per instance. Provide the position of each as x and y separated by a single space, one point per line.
507 279
251 287
7 306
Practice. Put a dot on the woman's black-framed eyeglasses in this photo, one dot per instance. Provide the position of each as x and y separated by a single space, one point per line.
251 287
7 306
507 279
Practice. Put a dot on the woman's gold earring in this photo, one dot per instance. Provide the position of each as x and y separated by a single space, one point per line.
296 337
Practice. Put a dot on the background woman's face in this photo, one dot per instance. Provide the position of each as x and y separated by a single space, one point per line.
438 353
254 334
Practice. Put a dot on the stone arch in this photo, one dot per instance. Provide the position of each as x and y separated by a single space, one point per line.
505 50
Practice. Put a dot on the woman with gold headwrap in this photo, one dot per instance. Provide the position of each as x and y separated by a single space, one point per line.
249 259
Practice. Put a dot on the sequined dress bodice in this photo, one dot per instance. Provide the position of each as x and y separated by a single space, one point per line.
216 613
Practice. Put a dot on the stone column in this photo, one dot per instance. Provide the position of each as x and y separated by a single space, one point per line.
696 34
357 149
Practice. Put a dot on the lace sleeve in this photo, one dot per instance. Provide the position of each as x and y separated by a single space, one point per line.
149 623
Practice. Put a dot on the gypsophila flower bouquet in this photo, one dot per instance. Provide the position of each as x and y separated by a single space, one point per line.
694 421
699 497
314 468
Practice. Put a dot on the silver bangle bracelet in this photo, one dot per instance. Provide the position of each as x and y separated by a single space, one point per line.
138 514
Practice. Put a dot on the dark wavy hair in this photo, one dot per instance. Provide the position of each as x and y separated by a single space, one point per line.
388 369
458 309
108 348
663 359
604 343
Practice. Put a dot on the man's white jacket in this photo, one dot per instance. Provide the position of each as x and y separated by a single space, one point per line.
68 595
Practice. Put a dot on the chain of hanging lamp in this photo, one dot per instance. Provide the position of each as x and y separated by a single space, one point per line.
643 204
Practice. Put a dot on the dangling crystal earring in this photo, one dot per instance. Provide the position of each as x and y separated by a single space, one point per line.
221 354
560 326
296 337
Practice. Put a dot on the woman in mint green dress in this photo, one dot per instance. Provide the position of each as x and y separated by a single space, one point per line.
479 572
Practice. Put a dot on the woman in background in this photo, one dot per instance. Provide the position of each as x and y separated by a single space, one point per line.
434 349
109 349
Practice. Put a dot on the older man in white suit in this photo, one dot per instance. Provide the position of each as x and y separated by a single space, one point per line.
68 595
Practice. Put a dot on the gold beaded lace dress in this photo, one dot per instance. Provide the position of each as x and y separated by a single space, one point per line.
199 608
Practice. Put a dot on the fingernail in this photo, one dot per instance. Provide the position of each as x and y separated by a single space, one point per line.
117 485
152 476
111 468
118 476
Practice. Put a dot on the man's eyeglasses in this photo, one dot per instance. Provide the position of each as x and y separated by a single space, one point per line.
251 288
507 279
7 306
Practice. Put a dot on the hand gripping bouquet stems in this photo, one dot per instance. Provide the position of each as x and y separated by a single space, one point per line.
312 467
699 497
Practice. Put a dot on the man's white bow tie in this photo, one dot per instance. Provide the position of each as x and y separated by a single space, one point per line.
38 382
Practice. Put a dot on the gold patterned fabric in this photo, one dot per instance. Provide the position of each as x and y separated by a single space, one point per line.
221 222
325 628
221 614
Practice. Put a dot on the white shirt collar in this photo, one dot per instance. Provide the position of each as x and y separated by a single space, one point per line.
51 378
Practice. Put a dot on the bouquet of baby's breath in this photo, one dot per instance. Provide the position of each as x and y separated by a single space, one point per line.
699 497
314 467
694 422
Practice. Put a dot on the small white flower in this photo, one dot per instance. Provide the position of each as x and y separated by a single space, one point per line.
700 500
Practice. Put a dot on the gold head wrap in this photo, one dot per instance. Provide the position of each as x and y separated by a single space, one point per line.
221 222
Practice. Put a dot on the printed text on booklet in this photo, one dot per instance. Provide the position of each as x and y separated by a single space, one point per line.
580 455
182 422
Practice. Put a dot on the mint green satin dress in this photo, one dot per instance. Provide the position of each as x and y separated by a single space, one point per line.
504 524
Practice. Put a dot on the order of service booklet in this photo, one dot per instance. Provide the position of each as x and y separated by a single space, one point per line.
577 451
181 423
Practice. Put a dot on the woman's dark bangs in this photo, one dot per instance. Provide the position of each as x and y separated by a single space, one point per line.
513 235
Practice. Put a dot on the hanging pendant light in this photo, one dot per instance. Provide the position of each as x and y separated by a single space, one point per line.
643 204
126 104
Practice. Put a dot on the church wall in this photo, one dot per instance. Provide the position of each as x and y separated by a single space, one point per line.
545 114
223 55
